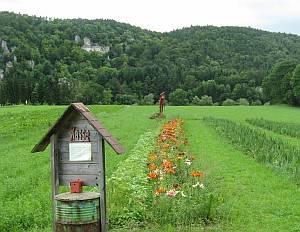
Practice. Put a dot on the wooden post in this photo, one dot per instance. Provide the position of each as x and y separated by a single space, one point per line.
102 186
54 176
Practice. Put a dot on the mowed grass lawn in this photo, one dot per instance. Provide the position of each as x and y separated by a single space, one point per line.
251 197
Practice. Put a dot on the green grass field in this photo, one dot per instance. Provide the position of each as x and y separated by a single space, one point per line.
251 196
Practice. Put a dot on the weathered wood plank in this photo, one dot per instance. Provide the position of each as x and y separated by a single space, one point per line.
78 169
79 162
54 176
102 186
80 125
88 180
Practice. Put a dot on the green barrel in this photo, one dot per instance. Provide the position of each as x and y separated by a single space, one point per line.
77 212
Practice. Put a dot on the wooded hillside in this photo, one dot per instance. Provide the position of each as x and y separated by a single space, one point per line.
58 61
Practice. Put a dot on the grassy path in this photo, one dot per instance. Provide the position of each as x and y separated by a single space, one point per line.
255 199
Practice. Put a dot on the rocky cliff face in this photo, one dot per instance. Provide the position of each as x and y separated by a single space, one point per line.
4 46
93 47
1 74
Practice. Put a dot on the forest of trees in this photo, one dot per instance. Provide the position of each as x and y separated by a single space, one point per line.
44 64
282 86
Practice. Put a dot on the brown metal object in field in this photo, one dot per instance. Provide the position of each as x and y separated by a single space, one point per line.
161 102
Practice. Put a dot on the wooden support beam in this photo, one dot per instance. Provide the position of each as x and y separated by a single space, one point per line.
54 176
102 188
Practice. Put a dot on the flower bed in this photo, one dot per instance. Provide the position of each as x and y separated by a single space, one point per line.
179 194
158 183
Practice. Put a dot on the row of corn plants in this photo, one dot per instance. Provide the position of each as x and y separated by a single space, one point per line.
290 129
179 192
266 149
128 188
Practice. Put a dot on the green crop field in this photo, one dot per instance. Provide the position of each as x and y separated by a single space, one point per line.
250 156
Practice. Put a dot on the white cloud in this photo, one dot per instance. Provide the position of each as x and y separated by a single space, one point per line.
165 15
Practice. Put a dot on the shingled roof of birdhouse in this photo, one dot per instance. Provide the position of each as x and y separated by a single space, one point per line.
85 112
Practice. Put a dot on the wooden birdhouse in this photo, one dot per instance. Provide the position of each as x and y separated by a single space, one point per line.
78 154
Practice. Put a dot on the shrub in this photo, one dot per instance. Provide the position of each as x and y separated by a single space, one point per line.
178 97
256 103
229 102
206 101
196 101
243 102
148 99
126 99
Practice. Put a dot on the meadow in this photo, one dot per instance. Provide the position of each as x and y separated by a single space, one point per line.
254 188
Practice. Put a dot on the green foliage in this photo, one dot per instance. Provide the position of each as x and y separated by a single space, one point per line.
277 85
107 97
229 102
284 128
221 62
296 84
178 97
89 92
126 99
129 181
206 100
283 83
196 101
180 211
148 99
271 151
256 103
243 102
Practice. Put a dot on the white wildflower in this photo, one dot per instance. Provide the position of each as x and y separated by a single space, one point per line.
196 185
188 162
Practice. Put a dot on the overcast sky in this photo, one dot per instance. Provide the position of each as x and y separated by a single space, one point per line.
167 15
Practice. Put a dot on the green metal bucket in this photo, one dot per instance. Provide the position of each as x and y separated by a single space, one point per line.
75 210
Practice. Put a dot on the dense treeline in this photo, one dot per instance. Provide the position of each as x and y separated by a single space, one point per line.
45 64
283 83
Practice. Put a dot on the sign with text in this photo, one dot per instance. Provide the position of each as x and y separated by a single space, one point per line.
80 151
80 135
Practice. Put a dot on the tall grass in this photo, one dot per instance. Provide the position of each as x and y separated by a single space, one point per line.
266 149
284 128
128 188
